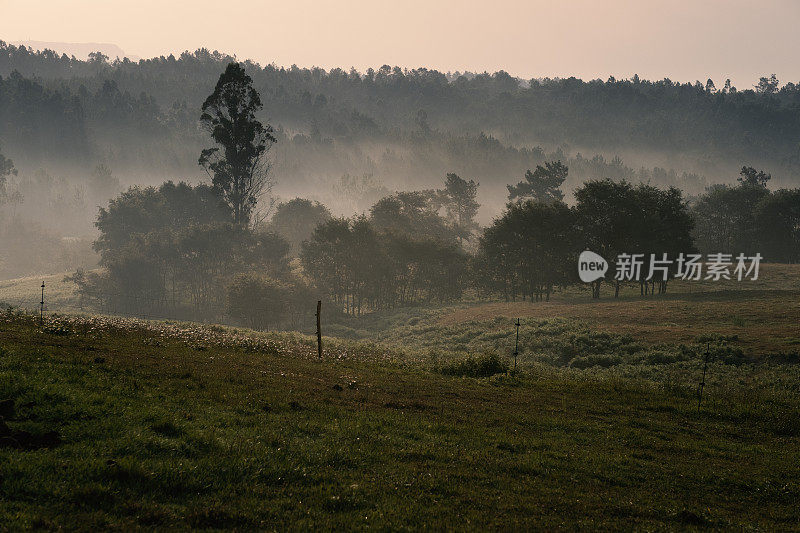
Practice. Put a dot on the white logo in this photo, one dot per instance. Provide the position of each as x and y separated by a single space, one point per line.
591 266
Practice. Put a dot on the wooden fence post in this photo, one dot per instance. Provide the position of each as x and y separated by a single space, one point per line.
319 331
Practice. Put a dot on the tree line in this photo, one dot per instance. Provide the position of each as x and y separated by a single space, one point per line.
177 250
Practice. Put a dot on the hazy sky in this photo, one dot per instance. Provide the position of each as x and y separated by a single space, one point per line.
681 39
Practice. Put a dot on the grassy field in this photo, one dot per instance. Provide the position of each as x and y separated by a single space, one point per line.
126 424
117 424
751 321
27 292
763 314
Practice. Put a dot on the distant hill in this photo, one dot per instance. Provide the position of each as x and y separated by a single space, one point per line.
404 128
79 50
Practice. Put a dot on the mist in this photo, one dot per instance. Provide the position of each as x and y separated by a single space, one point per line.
79 132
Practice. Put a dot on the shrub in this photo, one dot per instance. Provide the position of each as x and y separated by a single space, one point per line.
482 366
728 355
590 343
256 300
716 338
785 358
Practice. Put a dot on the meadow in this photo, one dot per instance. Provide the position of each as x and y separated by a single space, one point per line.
416 420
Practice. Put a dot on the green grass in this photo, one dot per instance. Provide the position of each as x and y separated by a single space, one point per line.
167 425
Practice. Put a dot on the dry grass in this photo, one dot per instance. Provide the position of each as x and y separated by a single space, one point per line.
765 314
766 321
27 292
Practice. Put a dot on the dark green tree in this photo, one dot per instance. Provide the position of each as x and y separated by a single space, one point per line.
777 218
346 261
529 250
661 224
751 176
296 220
616 217
767 85
725 218
144 210
542 185
607 214
239 167
360 268
459 199
412 213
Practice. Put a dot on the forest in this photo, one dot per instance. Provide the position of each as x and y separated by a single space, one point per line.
214 251
101 169
157 97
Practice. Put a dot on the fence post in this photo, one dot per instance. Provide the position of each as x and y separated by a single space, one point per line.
703 383
516 346
319 331
41 307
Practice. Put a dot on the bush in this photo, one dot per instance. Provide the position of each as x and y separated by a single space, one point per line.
716 338
255 300
785 358
728 355
482 366
591 343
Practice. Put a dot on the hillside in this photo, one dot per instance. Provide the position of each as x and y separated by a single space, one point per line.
114 423
355 120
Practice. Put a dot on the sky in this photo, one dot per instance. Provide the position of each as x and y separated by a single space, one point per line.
684 40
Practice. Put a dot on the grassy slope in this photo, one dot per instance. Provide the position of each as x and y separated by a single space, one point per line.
763 313
173 426
26 292
757 320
